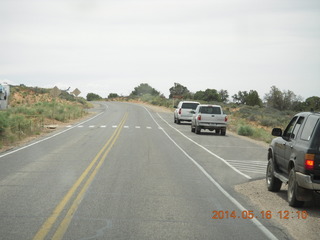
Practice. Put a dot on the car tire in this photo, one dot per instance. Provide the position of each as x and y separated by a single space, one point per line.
192 128
223 132
292 190
273 183
197 130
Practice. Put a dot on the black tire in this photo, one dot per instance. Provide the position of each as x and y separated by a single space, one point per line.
292 190
177 121
217 131
223 132
192 128
197 130
174 120
273 183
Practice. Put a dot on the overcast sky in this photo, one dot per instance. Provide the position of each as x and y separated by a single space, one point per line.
111 46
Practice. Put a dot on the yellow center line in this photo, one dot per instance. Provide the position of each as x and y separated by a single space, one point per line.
47 226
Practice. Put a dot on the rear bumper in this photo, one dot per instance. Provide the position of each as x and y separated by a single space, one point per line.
305 181
185 118
212 125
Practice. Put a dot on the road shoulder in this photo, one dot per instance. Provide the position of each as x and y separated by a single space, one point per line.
256 193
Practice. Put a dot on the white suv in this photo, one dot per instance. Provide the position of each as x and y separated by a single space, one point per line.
183 111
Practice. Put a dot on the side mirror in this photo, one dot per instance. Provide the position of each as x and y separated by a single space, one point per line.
277 132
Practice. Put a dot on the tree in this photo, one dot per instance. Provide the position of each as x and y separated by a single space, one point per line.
143 89
179 90
275 98
113 95
224 95
253 99
211 95
243 97
93 97
312 103
285 100
199 95
240 98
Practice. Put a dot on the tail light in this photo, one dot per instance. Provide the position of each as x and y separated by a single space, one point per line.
199 117
180 111
309 161
226 119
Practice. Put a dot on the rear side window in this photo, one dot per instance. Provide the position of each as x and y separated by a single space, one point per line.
309 127
190 105
210 110
297 128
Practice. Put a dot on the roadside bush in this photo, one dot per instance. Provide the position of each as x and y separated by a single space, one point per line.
19 124
262 135
269 122
245 130
4 122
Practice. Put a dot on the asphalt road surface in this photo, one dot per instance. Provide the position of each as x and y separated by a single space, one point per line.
129 172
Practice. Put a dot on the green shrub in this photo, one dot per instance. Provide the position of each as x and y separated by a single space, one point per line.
269 122
262 135
4 122
245 130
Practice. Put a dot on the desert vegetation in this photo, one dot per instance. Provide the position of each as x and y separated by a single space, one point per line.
249 114
31 109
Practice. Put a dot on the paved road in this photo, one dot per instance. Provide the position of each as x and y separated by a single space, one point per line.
130 173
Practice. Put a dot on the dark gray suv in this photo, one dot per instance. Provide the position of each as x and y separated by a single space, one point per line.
294 158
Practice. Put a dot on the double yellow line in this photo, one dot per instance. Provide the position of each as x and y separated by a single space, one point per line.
84 180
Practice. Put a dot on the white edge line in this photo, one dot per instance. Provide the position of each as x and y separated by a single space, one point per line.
207 150
47 138
232 199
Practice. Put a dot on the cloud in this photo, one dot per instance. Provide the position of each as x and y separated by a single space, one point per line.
116 45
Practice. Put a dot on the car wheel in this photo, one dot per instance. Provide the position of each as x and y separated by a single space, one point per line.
292 190
192 128
273 183
177 121
197 130
223 132
218 131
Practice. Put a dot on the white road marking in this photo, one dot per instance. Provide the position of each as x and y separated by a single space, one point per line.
91 126
249 166
125 126
138 127
207 150
149 127
103 126
114 126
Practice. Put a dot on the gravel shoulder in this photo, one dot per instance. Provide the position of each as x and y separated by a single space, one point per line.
256 193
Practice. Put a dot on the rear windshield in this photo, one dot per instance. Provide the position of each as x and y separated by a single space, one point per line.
190 105
210 110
